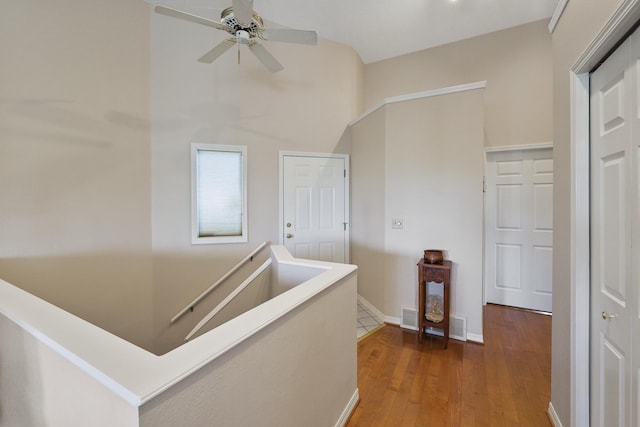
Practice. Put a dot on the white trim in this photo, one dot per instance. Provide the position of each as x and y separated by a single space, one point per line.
557 13
392 320
523 147
312 154
351 406
347 193
369 111
419 95
228 298
622 21
218 282
553 416
489 211
195 232
372 309
579 256
619 24
478 338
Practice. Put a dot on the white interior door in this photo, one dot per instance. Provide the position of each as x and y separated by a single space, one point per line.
614 238
314 207
519 228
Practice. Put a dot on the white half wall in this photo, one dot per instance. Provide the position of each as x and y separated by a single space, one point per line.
299 371
289 360
40 387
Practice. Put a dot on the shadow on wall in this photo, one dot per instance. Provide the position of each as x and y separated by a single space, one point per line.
134 296
20 389
111 290
179 280
344 143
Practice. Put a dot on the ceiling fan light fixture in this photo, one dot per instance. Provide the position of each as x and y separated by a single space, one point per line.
242 37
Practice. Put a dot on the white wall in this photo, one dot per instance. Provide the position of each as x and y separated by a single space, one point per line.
433 157
39 387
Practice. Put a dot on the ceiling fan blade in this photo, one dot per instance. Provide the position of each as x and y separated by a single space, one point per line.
290 36
243 11
214 53
163 10
265 57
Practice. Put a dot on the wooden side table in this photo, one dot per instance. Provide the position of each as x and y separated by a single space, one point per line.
438 273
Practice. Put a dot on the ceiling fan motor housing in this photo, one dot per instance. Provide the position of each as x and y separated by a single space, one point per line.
247 31
229 20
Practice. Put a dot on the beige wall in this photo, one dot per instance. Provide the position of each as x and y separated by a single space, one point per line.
579 24
75 177
434 175
305 107
368 197
432 179
516 63
99 103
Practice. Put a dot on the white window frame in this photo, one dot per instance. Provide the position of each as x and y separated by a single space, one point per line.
195 232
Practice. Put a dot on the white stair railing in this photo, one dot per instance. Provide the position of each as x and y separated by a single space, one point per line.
229 298
193 303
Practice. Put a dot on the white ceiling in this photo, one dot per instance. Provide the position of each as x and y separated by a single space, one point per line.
381 29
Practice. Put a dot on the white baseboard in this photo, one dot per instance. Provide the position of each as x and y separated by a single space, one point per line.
553 416
475 337
392 320
342 421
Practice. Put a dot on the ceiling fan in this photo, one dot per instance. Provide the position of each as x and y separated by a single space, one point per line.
246 27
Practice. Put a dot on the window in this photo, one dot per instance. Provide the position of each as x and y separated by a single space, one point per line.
218 193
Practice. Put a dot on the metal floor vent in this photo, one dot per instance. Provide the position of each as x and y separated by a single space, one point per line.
409 319
458 328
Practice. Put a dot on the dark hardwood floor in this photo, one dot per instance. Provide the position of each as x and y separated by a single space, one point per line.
505 382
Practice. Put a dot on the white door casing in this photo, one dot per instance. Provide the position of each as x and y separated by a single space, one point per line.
613 32
519 228
634 204
314 206
614 238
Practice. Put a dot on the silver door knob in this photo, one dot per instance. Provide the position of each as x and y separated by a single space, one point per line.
606 315
289 235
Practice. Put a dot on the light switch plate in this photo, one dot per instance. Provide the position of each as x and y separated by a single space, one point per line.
396 223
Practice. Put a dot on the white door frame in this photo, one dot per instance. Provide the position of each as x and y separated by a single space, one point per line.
503 149
347 202
616 28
